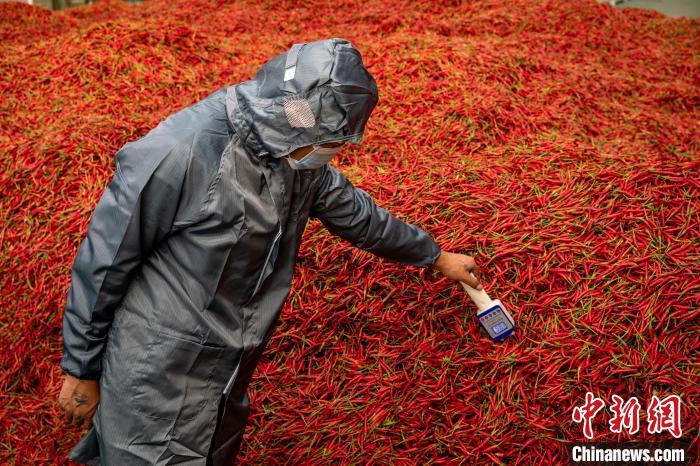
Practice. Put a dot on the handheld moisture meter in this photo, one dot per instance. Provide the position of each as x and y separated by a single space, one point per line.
497 322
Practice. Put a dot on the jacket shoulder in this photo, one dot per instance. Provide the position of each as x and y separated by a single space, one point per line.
197 137
204 126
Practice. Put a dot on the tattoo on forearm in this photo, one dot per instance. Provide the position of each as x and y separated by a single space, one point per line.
80 399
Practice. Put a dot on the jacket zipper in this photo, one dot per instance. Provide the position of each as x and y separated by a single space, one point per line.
229 384
272 248
267 258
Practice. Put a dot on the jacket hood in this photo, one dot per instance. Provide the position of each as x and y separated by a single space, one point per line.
313 93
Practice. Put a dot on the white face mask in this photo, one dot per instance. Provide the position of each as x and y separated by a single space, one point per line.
314 159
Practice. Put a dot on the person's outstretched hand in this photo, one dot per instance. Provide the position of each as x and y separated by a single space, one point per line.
459 267
79 400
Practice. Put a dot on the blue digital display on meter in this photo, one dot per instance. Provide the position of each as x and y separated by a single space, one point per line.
497 321
500 327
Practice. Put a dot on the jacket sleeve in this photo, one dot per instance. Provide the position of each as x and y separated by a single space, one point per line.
135 212
352 214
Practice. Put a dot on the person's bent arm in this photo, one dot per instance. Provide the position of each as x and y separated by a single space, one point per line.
351 213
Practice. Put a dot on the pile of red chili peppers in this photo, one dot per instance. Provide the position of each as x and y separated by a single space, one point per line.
556 141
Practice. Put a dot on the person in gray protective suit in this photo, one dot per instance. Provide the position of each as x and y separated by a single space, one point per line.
188 257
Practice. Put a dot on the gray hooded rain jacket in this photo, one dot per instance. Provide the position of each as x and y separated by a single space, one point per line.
189 254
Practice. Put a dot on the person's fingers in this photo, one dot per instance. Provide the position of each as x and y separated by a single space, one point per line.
72 418
88 420
67 411
467 263
474 270
77 420
479 275
76 416
68 417
472 281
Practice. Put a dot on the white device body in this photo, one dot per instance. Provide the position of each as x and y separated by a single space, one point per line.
492 315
